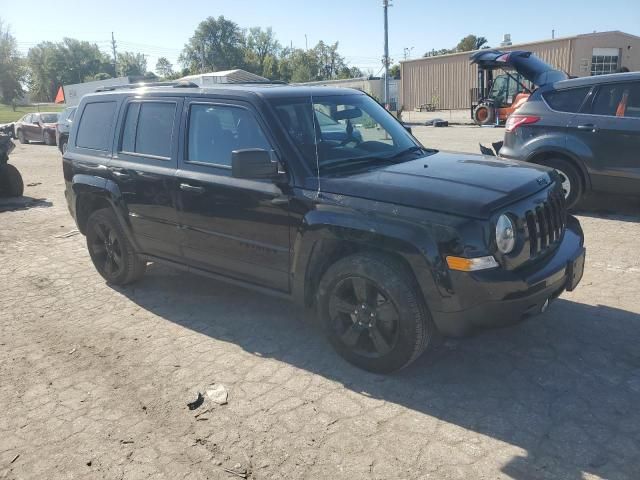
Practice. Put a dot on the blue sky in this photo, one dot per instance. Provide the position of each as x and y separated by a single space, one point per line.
160 28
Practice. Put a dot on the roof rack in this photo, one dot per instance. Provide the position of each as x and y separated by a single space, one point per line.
131 86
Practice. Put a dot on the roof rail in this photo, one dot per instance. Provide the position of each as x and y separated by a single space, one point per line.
130 86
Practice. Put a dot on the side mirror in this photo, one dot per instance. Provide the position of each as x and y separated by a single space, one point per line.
408 129
254 163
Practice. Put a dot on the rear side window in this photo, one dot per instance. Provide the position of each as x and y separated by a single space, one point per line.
215 131
95 126
620 100
148 129
566 100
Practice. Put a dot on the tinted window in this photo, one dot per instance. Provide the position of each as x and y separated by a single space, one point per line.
566 100
72 113
216 131
148 128
632 108
95 126
621 100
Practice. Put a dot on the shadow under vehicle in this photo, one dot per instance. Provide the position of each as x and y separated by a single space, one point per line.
11 184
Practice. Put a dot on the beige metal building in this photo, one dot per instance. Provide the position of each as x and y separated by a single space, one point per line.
445 81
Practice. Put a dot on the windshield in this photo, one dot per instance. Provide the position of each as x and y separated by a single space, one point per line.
345 130
49 117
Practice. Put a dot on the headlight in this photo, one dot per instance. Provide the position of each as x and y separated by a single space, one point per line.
505 234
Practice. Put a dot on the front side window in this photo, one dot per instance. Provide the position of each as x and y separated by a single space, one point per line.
95 126
344 131
215 131
148 128
620 100
566 100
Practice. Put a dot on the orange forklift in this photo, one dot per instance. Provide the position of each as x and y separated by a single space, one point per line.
498 96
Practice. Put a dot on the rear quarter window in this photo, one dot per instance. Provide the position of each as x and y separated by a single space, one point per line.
94 130
566 100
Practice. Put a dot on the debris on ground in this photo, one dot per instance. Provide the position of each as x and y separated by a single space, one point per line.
67 235
437 122
34 184
197 402
237 470
217 393
73 350
14 458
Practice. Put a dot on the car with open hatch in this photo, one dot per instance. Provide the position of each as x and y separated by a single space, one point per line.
320 196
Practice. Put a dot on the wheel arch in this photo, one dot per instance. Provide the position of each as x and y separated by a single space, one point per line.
542 155
320 247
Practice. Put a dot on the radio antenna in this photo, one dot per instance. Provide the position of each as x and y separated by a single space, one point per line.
315 142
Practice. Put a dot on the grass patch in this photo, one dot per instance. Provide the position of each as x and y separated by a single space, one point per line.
7 115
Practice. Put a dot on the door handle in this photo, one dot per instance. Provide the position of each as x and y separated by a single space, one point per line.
280 200
191 188
588 126
119 172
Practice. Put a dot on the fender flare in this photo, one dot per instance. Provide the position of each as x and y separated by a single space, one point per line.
89 185
575 160
315 242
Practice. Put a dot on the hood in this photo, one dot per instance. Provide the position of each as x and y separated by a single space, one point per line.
455 183
525 63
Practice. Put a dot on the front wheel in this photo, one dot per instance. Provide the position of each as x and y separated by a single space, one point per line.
49 138
372 313
570 178
110 250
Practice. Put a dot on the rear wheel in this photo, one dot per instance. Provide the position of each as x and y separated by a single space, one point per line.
570 177
110 250
22 138
372 313
12 184
484 115
63 145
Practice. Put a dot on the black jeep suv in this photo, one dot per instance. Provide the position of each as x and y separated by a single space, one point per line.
588 129
391 242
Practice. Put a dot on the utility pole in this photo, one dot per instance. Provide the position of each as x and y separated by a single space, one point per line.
115 58
385 6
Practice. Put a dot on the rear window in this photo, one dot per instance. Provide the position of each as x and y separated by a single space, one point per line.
566 100
95 126
148 128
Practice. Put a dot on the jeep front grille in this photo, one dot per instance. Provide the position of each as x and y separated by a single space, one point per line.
545 224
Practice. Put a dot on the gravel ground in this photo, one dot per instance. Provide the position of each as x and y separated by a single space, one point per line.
95 380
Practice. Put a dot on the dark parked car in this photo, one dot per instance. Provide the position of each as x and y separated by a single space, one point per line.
62 128
392 243
37 127
588 129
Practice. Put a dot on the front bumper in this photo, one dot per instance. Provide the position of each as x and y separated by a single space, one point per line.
493 298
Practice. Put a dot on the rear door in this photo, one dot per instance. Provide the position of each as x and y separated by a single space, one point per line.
611 129
144 168
235 227
32 128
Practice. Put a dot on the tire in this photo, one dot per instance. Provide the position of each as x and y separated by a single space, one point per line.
571 179
12 184
110 250
22 138
63 145
372 313
484 115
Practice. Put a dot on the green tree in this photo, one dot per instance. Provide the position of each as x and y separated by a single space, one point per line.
164 67
217 44
51 65
394 71
12 72
261 51
131 64
471 42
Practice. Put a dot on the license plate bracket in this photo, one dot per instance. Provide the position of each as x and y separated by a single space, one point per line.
575 270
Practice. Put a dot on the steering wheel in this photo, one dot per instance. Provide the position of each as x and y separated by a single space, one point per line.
350 138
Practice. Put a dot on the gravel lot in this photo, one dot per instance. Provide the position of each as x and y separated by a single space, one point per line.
95 380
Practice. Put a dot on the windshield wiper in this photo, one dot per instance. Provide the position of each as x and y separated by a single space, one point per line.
413 149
